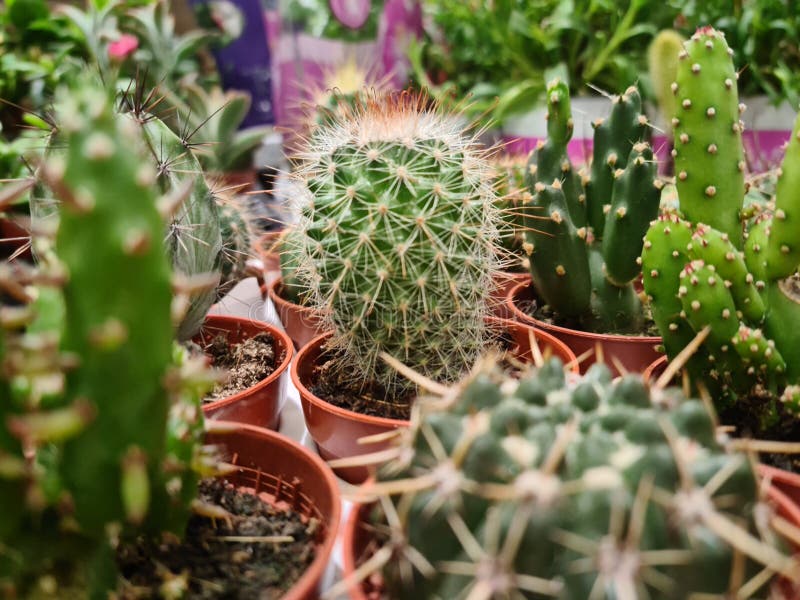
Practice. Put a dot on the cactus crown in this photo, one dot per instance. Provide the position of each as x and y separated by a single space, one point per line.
715 266
584 230
91 380
398 236
536 486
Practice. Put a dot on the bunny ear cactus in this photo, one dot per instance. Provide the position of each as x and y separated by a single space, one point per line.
537 486
399 239
117 436
715 265
584 234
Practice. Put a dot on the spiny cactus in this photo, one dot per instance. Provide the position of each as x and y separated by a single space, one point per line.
91 382
584 231
716 265
398 237
539 487
201 243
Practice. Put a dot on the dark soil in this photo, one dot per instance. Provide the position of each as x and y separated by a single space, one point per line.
533 307
338 388
246 363
222 569
367 398
748 417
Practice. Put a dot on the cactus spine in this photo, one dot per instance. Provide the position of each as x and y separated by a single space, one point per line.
524 487
398 237
718 267
111 409
584 234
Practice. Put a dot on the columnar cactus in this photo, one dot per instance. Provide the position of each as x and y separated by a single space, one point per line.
92 384
714 264
398 237
538 487
584 231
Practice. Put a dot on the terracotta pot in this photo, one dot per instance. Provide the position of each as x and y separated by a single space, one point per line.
337 431
260 404
519 336
286 475
634 353
302 324
356 538
503 283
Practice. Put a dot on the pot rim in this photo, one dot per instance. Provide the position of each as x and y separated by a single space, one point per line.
272 292
288 348
612 337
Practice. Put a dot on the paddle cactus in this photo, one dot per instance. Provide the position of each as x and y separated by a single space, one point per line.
398 239
92 385
529 487
584 230
715 265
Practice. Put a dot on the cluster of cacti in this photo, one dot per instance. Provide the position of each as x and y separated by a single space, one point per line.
397 237
584 230
717 263
207 235
92 383
535 486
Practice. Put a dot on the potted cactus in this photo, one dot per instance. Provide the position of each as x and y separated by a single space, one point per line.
725 268
101 432
396 246
584 232
590 488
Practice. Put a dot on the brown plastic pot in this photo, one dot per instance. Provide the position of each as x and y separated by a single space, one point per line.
655 368
260 404
301 323
633 353
356 538
503 283
337 431
265 247
286 475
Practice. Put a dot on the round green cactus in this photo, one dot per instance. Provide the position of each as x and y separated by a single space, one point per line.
590 488
399 237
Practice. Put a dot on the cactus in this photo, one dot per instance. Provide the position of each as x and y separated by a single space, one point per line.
510 187
721 267
93 384
193 236
398 237
584 233
512 487
662 63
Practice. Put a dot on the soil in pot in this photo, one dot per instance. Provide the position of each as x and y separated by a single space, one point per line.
215 565
338 387
532 306
246 363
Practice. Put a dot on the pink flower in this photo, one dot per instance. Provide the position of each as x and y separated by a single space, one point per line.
123 47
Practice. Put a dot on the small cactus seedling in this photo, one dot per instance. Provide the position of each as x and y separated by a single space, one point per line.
584 231
91 381
398 239
714 264
540 487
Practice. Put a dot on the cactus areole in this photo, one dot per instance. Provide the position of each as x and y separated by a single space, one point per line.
397 237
